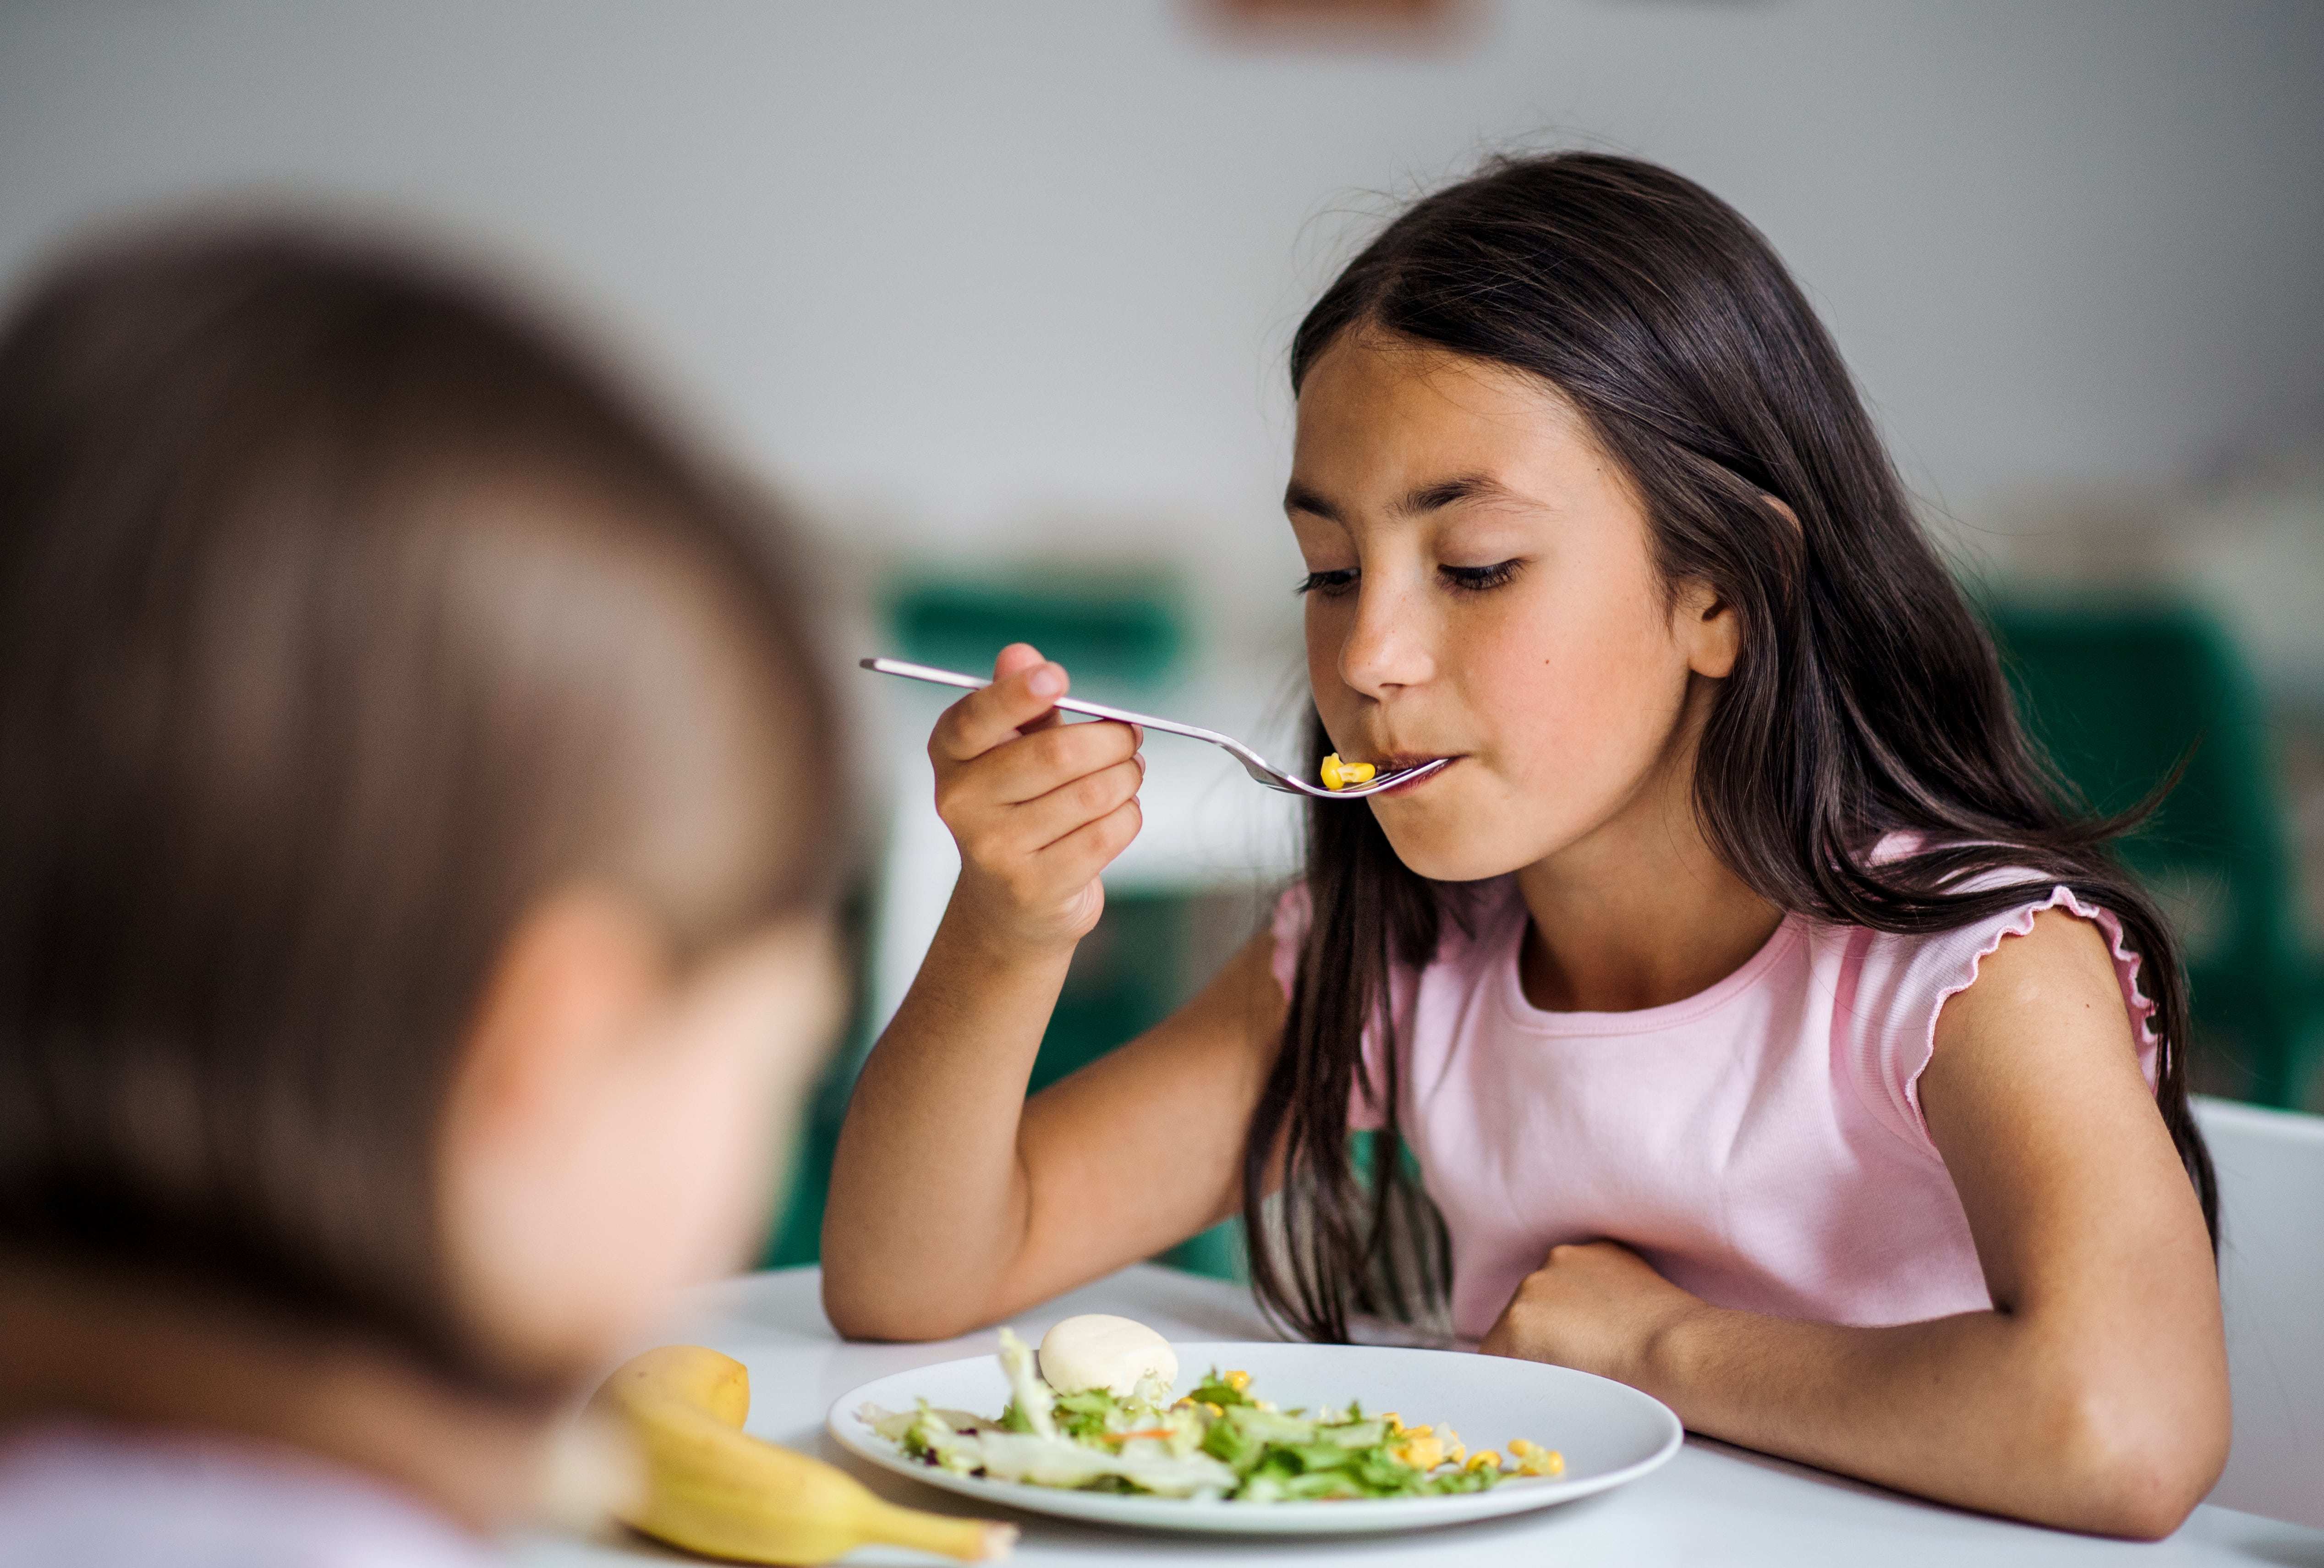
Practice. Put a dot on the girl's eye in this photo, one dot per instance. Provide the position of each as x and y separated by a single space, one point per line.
1477 579
1328 584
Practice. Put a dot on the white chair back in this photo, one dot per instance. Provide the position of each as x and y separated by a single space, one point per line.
2271 1166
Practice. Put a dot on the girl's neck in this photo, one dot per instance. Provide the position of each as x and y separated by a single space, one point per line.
1641 912
140 1353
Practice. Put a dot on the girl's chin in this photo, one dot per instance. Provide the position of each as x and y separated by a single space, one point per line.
1450 849
1456 868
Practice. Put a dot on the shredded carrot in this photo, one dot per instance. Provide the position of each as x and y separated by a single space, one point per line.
1126 1436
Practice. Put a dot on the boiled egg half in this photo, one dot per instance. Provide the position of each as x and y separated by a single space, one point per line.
1099 1351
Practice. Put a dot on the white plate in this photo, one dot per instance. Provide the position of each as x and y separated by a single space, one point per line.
1610 1432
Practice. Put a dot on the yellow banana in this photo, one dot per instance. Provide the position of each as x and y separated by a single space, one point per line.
714 1490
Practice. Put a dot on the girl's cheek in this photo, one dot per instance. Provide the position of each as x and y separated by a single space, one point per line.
754 1069
573 1244
682 1175
1575 721
653 1170
662 1192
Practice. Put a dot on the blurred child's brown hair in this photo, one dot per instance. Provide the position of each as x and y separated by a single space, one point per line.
345 612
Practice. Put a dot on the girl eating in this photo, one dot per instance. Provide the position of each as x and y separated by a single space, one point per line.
1766 1027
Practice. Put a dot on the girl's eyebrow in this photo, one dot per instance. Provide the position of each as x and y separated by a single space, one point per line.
1298 497
1460 487
1429 497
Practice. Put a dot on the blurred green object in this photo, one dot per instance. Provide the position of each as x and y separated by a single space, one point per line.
2117 691
1110 627
797 1234
1127 976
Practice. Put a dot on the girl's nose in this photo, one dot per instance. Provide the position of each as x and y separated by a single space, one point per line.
1387 645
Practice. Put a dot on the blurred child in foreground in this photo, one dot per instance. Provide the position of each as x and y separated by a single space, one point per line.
415 824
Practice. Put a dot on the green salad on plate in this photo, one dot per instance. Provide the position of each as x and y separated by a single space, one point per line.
1218 1441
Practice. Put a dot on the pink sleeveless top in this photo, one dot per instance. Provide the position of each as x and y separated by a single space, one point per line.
1760 1144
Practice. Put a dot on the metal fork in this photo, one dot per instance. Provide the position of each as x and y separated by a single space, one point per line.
1256 765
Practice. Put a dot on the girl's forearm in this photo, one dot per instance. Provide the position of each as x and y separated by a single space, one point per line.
928 1196
1980 1409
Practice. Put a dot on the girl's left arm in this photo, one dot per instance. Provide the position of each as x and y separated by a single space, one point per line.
2093 1395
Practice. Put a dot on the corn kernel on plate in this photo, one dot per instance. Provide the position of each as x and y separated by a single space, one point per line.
1266 1439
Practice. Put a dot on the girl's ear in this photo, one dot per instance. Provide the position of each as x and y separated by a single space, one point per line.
579 971
1708 628
1708 624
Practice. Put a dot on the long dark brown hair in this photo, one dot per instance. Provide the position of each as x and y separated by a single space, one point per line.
345 612
1867 699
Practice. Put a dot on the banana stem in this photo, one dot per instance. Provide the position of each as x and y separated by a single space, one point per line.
968 1540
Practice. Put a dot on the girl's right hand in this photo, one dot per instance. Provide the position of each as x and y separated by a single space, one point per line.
1038 808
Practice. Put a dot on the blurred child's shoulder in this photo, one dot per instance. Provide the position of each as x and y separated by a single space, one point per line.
203 1501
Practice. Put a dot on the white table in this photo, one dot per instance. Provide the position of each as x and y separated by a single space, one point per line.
1711 1504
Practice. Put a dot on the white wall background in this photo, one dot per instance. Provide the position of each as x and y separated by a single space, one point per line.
979 276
